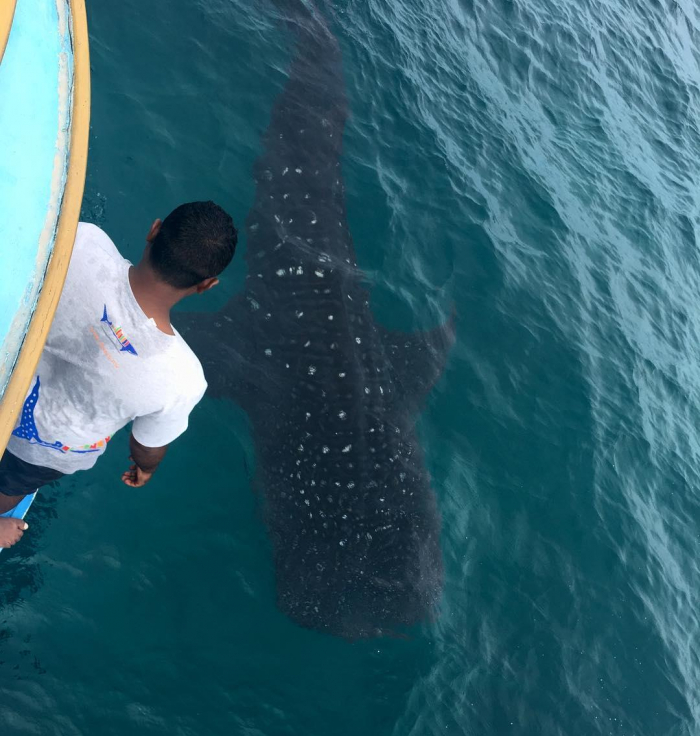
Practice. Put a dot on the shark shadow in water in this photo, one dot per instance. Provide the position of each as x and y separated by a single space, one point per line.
332 397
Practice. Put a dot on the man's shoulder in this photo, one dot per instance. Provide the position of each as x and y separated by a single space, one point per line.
187 372
92 240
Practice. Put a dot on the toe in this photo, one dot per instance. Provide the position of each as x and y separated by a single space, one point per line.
11 531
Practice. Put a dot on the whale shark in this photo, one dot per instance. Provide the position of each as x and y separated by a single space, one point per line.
332 396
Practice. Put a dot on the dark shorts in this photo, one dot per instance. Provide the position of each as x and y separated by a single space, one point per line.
18 478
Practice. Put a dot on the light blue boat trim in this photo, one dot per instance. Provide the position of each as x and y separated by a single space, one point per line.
20 510
36 80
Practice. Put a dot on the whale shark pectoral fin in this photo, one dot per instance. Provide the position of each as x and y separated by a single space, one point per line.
418 359
221 341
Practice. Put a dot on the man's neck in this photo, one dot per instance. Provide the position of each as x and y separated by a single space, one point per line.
155 298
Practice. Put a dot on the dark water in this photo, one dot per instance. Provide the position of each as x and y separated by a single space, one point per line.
533 163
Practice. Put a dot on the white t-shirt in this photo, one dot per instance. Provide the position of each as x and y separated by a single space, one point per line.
105 364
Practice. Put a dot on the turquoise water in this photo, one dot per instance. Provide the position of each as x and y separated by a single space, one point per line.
532 163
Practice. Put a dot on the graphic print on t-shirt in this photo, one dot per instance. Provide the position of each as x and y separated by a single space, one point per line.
118 334
27 428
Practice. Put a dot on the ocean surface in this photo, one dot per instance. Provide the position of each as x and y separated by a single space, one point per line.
533 163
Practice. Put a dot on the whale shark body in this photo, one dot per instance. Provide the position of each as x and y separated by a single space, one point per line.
332 397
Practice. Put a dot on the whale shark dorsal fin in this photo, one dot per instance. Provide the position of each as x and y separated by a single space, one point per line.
418 360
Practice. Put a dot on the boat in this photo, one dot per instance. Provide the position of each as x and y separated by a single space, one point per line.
44 126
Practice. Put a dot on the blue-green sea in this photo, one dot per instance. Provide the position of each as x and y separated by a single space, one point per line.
534 163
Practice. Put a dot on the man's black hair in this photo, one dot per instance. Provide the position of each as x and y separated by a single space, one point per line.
196 241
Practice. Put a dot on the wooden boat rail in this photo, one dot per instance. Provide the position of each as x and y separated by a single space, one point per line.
55 275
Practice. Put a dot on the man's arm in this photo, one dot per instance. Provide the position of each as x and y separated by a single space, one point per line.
146 460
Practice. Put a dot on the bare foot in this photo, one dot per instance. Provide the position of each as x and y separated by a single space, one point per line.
11 531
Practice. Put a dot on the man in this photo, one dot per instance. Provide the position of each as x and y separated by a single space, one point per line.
112 356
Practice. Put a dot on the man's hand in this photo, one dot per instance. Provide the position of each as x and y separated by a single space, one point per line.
145 461
135 477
